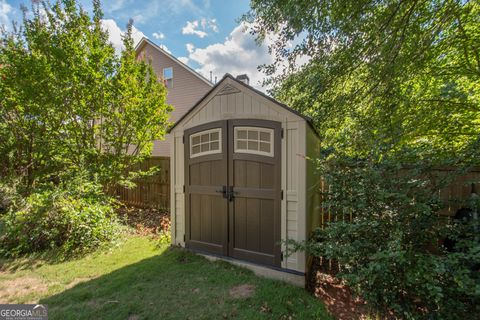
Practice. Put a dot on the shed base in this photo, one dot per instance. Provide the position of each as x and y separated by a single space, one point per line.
290 276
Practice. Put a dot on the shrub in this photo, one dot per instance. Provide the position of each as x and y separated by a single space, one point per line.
164 232
389 251
72 218
8 196
164 238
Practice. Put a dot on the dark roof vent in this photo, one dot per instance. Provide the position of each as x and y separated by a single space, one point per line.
244 78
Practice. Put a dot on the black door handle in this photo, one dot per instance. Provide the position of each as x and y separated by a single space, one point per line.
230 193
227 192
223 191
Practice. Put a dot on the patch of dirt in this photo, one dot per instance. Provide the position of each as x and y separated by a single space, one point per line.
242 291
337 296
145 221
20 287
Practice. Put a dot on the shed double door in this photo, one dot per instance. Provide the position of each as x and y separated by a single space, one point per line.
232 189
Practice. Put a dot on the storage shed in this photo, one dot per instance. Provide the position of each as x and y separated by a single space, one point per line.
241 178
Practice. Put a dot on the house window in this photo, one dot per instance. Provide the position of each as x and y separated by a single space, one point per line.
168 77
206 142
254 140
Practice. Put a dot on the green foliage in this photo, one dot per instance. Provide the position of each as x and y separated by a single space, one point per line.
381 77
9 195
70 218
69 104
388 84
164 237
384 233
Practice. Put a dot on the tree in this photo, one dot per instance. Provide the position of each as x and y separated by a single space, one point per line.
393 88
69 104
382 76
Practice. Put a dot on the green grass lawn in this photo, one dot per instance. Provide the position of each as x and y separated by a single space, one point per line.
138 280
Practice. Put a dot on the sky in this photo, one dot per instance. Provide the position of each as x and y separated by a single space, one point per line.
205 34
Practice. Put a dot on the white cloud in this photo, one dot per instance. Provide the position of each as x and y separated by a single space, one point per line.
212 24
183 59
139 19
191 28
164 47
5 9
190 47
238 54
200 27
158 35
115 34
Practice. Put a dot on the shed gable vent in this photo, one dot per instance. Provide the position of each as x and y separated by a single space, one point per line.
227 89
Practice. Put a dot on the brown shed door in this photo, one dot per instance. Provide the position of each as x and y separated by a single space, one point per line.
205 176
233 191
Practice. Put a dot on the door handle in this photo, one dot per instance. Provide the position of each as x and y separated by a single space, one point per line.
230 193
223 191
227 192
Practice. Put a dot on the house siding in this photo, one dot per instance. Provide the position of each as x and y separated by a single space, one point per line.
187 88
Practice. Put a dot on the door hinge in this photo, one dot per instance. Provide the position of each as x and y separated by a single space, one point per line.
183 139
281 256
281 195
281 133
184 237
183 188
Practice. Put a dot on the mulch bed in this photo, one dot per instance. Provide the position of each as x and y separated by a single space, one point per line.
337 297
145 221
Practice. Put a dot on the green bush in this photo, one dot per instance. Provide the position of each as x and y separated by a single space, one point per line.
389 251
70 218
8 195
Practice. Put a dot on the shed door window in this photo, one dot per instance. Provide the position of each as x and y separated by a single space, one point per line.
206 142
168 77
254 140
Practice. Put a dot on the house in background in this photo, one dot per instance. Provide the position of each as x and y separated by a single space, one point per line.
185 86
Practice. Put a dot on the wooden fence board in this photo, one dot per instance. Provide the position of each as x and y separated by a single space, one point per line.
152 191
454 195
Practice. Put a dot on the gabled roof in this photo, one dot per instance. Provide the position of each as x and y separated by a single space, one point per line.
227 75
146 40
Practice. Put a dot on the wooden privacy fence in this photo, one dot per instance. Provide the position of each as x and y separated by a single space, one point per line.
454 196
152 191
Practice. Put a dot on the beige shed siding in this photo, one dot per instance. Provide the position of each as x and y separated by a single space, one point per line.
246 104
313 201
187 88
292 189
295 202
178 196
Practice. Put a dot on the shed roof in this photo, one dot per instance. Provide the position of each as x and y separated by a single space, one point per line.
227 75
